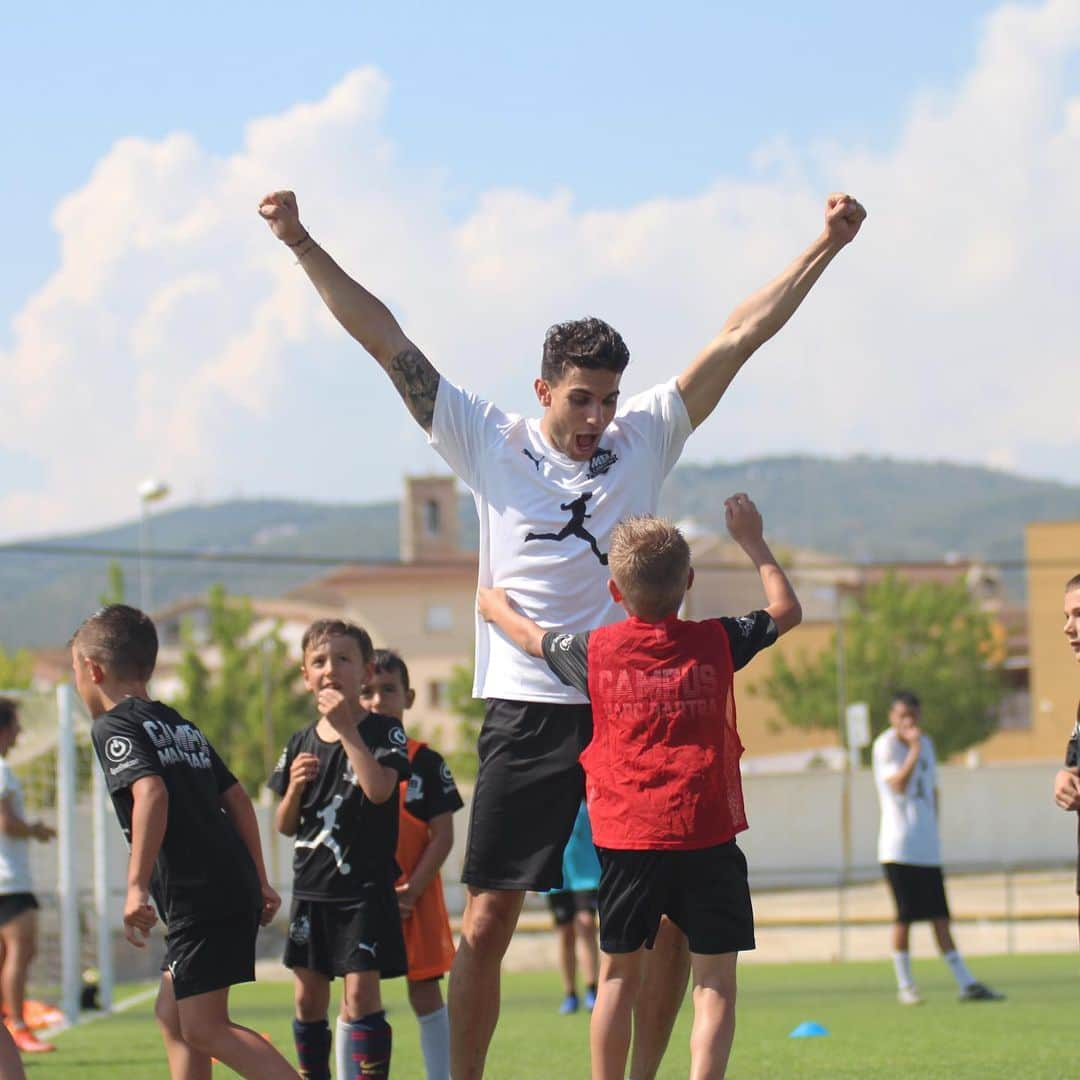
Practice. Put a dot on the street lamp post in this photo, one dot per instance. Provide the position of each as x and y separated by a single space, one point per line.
149 491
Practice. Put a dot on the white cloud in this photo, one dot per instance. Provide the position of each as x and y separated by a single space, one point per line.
177 338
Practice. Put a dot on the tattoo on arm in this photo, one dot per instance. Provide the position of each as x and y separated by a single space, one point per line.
417 382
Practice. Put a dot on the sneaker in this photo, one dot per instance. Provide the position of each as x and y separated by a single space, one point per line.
569 1005
909 995
590 999
978 991
28 1042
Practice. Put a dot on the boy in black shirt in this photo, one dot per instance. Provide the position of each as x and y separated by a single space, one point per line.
194 843
338 779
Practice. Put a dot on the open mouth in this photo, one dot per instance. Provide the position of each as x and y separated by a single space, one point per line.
585 444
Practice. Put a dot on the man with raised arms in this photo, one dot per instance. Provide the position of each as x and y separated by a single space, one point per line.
548 493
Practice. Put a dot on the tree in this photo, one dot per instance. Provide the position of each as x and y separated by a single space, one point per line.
242 692
929 638
16 670
470 713
114 585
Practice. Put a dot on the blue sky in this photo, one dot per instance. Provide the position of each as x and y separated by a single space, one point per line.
617 101
491 169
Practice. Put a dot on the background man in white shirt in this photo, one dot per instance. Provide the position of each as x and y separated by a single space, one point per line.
905 774
18 905
548 493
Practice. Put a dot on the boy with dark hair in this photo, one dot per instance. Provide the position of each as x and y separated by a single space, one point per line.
662 771
194 843
429 800
1067 781
338 780
18 905
909 849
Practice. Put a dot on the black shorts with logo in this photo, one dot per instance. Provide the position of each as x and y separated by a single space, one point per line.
206 956
339 937
527 794
705 893
919 892
565 904
12 905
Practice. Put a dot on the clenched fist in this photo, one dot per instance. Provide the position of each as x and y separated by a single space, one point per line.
281 213
843 217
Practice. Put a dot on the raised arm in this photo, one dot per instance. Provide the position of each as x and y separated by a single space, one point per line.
764 313
363 315
747 530
494 607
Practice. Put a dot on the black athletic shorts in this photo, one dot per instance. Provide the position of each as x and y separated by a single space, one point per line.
339 937
565 904
12 905
919 892
207 956
705 893
527 793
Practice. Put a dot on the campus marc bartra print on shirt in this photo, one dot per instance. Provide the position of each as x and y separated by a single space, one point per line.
344 841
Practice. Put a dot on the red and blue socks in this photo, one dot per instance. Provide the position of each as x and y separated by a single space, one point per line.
312 1039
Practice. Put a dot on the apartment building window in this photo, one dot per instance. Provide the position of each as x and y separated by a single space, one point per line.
439 618
433 517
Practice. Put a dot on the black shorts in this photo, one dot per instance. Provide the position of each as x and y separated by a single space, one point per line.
565 905
705 893
339 937
919 892
527 793
12 905
207 956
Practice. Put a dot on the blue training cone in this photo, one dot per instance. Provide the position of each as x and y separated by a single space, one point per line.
808 1029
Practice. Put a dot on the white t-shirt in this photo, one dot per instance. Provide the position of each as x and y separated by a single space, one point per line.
909 828
14 851
545 519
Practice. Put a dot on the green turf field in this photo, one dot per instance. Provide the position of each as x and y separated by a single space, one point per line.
1032 1035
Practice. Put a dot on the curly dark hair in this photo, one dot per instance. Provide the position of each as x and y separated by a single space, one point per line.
582 343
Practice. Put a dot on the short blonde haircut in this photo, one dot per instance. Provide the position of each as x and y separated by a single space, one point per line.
650 561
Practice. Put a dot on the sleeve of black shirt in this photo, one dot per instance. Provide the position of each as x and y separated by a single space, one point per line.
1072 751
748 635
125 752
441 795
390 747
279 778
223 776
568 656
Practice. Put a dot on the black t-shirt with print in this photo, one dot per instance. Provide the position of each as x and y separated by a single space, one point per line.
203 871
344 841
1072 759
431 790
568 654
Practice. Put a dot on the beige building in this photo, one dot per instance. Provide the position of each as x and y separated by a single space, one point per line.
1053 557
423 605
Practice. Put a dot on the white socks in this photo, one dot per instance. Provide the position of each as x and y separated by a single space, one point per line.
902 963
963 977
435 1043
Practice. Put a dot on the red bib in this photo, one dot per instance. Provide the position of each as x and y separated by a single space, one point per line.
662 770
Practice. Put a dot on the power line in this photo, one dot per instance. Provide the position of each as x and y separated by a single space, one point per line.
272 559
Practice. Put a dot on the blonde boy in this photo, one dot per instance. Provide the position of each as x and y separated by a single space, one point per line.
662 771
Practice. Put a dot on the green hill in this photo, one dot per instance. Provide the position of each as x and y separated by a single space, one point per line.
863 508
